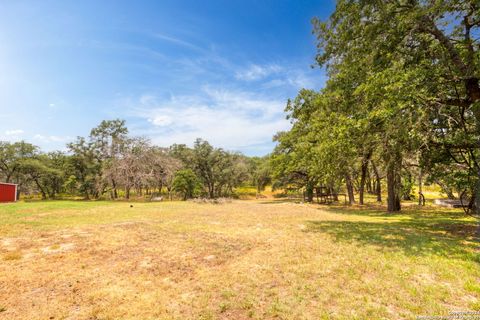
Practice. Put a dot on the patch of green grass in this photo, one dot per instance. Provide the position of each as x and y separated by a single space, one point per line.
224 306
52 215
475 306
246 192
472 287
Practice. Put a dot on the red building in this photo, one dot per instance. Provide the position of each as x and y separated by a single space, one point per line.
8 192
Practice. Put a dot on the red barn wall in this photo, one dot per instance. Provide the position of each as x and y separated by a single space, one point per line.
8 192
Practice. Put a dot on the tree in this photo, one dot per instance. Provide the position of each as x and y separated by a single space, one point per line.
206 161
185 182
162 166
11 157
109 161
46 178
218 171
108 140
260 172
414 66
291 166
131 165
320 148
86 167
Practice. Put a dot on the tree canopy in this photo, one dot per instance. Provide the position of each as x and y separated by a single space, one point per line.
401 100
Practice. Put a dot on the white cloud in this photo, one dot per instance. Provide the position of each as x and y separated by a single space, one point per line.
15 132
161 120
301 80
226 118
275 76
256 72
51 138
147 99
12 135
176 41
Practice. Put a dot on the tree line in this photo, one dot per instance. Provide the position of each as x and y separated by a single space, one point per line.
401 107
111 164
401 103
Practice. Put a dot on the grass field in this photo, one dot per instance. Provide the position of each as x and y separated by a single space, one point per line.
246 259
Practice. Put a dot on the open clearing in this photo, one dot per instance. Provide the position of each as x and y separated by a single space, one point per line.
239 260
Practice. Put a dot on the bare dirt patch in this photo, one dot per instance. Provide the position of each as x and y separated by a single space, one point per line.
56 248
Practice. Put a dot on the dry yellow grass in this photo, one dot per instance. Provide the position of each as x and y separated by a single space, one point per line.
239 260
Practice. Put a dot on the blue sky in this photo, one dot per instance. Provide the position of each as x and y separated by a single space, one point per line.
175 70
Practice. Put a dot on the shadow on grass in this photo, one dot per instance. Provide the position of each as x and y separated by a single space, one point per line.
416 237
410 211
281 200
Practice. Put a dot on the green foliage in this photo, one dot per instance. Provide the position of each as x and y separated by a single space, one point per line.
22 163
260 172
43 174
219 171
110 163
86 166
186 183
11 157
403 93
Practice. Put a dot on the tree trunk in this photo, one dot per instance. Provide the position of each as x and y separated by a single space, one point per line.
473 91
211 191
369 183
421 198
335 194
476 200
160 186
363 178
309 191
42 191
114 186
393 199
378 183
446 189
349 183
